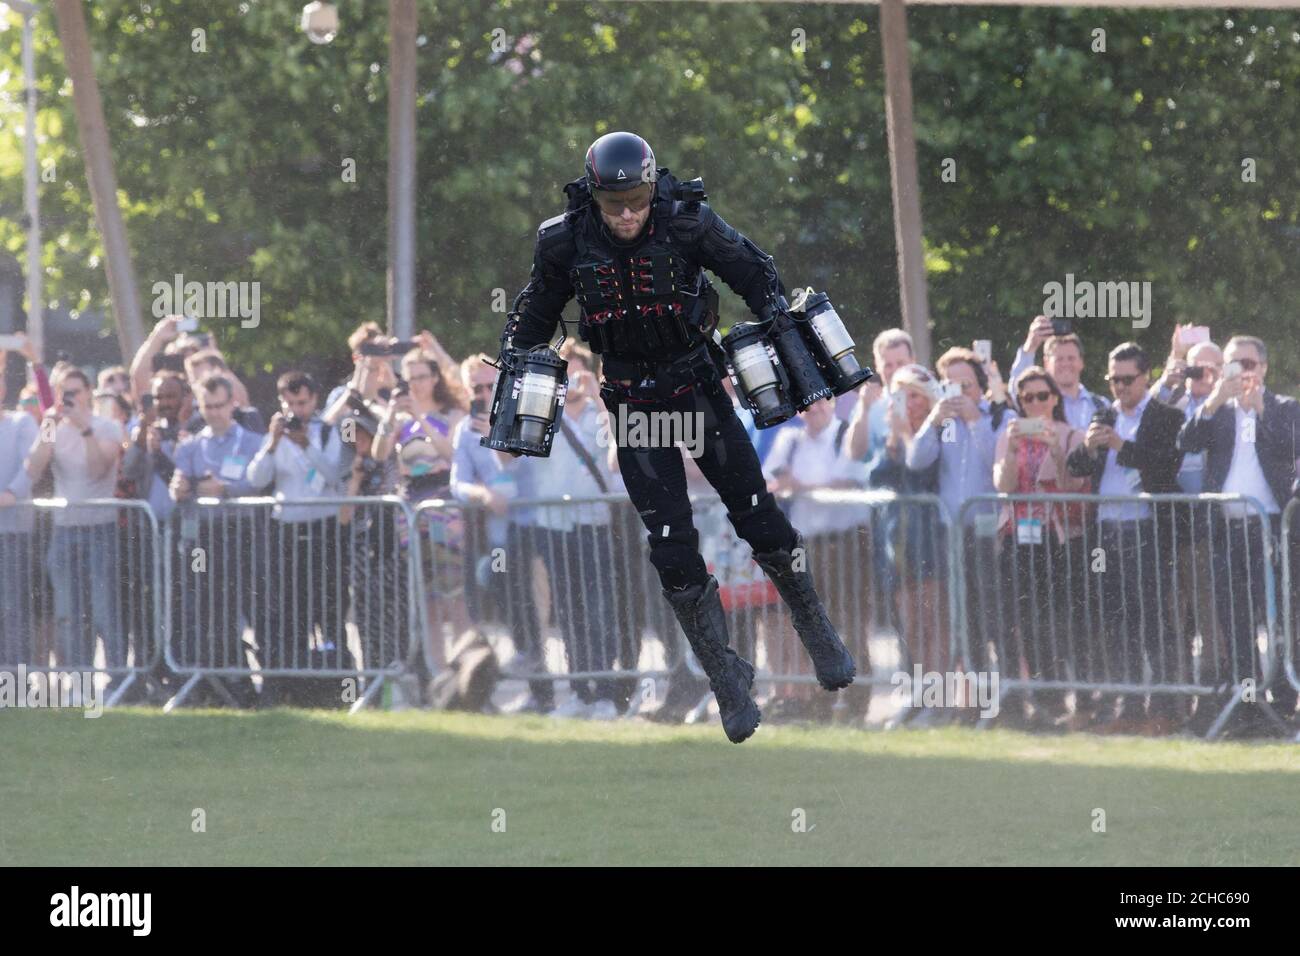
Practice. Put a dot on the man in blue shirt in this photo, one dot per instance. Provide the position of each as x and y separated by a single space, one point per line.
214 570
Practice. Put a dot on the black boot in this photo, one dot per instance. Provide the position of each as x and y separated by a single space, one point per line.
699 610
831 659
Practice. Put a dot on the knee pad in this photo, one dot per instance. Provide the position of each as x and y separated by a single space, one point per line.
762 525
675 553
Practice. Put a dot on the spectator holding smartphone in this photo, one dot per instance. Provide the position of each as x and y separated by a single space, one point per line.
1128 449
1063 360
84 450
422 413
1251 437
912 532
1042 558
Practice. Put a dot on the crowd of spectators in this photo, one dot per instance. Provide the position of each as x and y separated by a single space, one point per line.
1179 588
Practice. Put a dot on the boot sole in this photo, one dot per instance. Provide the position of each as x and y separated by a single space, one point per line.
752 718
840 681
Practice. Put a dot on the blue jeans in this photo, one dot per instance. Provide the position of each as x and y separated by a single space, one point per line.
82 563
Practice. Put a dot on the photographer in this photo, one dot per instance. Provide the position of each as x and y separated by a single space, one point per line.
213 463
301 455
84 450
1251 437
1128 449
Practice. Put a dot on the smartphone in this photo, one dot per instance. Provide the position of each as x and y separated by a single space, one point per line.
899 398
478 406
146 401
1232 370
951 390
1031 426
1062 327
10 343
1194 336
187 324
984 349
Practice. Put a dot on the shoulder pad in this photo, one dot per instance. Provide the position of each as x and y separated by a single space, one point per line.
689 219
551 227
555 236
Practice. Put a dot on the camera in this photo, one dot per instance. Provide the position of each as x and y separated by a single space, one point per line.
1105 416
294 423
479 406
1062 327
1195 372
386 348
403 387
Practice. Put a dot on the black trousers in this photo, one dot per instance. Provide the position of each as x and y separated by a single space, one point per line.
588 605
308 577
655 477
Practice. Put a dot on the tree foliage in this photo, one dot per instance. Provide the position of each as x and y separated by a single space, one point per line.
1123 165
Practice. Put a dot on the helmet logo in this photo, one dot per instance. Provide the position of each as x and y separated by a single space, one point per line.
622 175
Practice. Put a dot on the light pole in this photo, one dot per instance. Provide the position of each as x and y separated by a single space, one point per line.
320 21
31 178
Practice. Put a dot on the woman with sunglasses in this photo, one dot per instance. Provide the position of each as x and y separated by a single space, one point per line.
424 409
1041 546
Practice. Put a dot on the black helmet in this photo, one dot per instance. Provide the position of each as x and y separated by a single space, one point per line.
619 161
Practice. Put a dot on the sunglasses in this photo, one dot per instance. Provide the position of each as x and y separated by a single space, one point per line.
1248 365
484 387
1027 397
1122 380
636 199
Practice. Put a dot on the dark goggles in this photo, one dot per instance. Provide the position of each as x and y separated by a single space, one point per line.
635 199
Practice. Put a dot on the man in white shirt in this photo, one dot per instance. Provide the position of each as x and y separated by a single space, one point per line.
836 541
1251 440
303 456
592 602
85 450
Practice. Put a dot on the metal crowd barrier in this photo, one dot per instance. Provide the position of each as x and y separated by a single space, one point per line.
568 579
80 591
1161 595
1290 595
328 589
880 562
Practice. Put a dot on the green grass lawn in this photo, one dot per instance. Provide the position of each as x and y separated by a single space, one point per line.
297 787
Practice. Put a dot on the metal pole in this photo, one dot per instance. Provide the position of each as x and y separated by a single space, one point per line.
903 177
31 199
99 173
401 168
